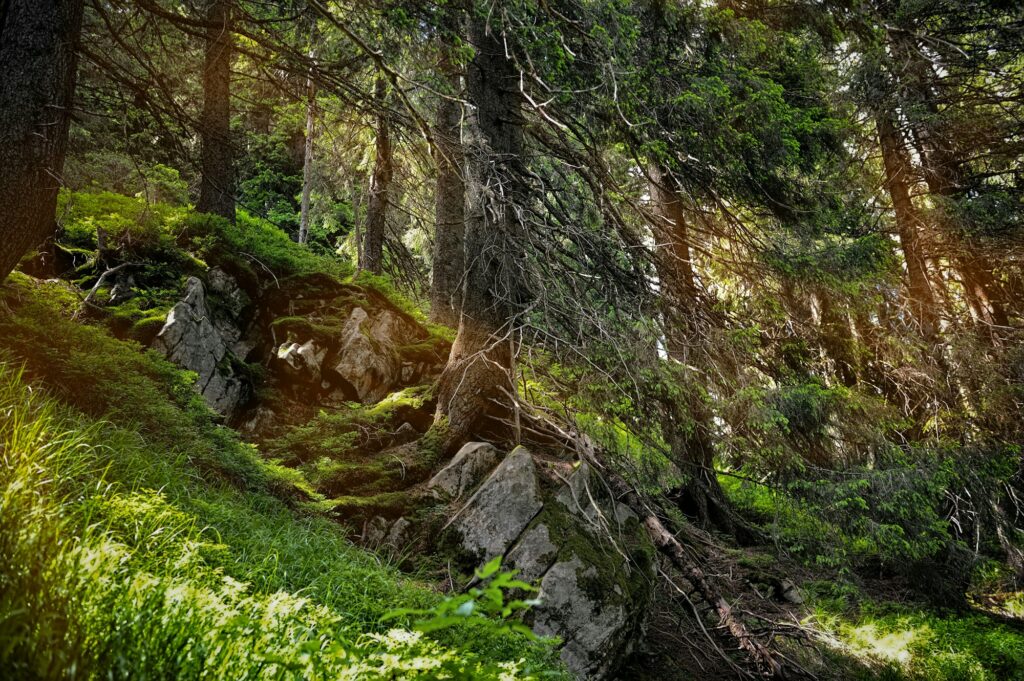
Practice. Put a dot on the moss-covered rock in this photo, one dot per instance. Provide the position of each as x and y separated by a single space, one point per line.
554 524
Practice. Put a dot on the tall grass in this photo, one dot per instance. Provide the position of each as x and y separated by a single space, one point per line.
138 539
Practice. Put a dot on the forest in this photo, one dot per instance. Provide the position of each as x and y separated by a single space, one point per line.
512 339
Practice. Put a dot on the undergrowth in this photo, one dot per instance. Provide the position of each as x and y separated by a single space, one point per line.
139 539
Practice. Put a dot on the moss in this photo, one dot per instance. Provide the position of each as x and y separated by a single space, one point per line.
332 478
609 568
390 505
303 328
145 330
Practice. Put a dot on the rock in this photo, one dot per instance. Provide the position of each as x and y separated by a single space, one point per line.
594 562
590 629
191 339
122 290
501 508
466 469
260 419
533 554
228 291
790 593
375 531
368 352
305 360
366 362
398 535
406 433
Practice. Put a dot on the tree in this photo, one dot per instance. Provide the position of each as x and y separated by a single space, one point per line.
217 188
307 157
897 182
479 366
449 210
38 59
372 253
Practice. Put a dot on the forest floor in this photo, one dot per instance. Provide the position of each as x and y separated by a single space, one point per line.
142 535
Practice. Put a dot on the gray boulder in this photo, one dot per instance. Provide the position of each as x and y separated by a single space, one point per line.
559 526
466 469
194 339
590 624
368 356
501 509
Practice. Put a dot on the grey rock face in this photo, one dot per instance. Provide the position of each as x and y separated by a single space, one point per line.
368 355
588 552
501 509
195 340
466 469
533 554
590 627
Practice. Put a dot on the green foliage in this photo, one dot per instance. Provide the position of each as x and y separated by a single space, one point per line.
488 604
901 643
266 249
152 543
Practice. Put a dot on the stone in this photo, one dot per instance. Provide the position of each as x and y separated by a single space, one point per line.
406 433
576 495
466 469
366 362
122 290
375 531
790 592
190 339
228 291
259 420
533 554
398 535
588 628
305 360
501 508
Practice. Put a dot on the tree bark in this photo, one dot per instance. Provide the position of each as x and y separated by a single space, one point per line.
673 262
479 367
897 171
38 60
217 187
944 175
449 258
307 161
380 188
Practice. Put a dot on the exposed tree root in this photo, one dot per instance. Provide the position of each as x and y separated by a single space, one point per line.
763 658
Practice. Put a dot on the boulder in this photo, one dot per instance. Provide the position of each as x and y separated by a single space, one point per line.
594 563
194 338
305 361
370 365
466 469
533 554
590 625
500 510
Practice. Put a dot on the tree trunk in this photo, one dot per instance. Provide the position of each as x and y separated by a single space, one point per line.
307 162
687 421
380 188
897 171
479 367
449 258
217 188
944 175
837 338
673 262
38 60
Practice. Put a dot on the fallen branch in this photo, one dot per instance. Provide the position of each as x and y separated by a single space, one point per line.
103 278
665 542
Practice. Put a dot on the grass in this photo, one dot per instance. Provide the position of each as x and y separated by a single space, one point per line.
898 642
139 539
